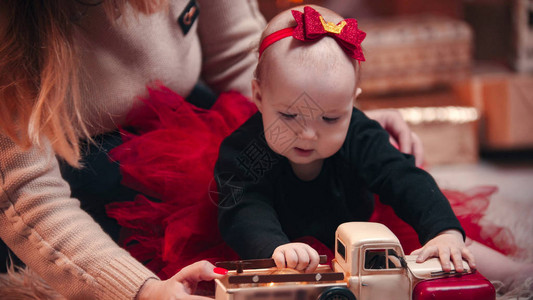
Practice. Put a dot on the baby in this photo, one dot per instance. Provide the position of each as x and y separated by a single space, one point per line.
309 161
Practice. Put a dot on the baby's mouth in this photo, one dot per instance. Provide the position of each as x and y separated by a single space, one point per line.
303 152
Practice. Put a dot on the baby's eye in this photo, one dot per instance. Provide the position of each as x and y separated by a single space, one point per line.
330 120
287 116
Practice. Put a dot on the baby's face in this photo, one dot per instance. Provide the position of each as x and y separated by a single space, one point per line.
306 110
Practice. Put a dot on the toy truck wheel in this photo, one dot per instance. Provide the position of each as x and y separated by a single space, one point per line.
336 293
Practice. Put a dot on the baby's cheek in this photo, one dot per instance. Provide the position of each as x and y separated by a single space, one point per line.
279 137
334 143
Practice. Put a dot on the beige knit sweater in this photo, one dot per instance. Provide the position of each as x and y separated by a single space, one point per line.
39 220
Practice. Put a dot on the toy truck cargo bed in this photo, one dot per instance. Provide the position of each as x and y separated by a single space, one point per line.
274 284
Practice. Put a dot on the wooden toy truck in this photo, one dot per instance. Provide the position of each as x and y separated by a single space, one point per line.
369 264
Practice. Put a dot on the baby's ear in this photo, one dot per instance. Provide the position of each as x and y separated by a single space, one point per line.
256 95
358 92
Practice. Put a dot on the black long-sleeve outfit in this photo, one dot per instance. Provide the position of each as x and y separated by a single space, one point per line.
262 204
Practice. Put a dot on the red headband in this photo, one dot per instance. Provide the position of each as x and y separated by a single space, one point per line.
311 26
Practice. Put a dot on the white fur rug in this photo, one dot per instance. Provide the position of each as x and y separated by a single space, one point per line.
23 284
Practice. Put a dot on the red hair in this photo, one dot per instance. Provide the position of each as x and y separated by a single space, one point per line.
39 88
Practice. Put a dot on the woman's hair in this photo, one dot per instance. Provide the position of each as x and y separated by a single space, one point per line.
39 87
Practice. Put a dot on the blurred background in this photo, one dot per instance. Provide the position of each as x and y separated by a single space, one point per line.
461 73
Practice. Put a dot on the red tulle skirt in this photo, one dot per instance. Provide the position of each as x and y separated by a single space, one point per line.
168 155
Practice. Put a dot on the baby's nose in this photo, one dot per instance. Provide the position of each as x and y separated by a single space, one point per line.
308 133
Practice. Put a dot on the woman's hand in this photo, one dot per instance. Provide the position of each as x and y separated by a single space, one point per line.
297 256
447 246
182 285
401 135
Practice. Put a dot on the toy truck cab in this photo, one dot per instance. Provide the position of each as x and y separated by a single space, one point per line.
369 264
372 259
374 264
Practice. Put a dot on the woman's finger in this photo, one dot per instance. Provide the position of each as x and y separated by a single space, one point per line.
418 149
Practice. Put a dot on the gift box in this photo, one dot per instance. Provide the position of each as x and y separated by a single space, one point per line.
505 101
448 130
449 134
414 53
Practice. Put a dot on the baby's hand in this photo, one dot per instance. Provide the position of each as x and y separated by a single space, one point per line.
297 256
448 244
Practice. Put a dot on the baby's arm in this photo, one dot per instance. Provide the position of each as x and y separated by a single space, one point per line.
297 256
447 246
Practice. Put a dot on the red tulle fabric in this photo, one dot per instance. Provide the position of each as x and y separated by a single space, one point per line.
168 155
